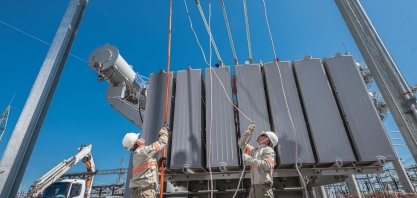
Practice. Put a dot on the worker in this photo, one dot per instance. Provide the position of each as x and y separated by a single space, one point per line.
144 180
261 161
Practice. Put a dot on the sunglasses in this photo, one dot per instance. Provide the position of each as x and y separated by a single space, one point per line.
263 135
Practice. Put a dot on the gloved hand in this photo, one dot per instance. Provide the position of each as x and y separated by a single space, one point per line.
163 132
162 160
251 128
246 158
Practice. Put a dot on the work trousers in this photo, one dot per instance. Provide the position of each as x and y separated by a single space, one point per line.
139 193
260 191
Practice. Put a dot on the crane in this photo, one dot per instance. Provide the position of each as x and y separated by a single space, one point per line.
76 188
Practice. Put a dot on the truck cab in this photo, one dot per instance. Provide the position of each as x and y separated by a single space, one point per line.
66 188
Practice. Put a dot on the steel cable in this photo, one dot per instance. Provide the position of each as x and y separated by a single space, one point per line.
209 32
229 33
245 10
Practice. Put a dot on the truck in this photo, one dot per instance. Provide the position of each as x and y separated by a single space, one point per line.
47 186
74 188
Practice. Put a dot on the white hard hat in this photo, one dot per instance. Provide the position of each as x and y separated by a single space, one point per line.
273 139
129 140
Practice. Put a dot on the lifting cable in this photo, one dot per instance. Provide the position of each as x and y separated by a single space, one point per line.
211 102
226 21
209 32
161 187
245 10
286 103
205 60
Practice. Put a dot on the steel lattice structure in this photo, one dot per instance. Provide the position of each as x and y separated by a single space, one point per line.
3 121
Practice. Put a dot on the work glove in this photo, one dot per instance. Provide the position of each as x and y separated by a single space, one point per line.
162 160
163 131
251 128
246 158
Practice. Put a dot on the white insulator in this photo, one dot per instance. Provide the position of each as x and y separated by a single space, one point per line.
108 62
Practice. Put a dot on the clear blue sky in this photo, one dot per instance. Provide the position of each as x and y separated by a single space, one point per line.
80 115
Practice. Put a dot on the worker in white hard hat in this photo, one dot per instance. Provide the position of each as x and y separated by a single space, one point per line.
144 180
261 161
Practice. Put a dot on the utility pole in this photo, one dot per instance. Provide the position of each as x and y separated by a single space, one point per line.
392 85
353 187
19 149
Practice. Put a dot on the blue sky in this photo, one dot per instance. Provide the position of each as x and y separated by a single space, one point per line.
79 114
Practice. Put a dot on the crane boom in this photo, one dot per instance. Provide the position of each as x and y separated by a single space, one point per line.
84 154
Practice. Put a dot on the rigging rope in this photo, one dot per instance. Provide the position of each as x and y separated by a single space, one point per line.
161 188
195 34
286 103
209 32
226 21
247 31
224 89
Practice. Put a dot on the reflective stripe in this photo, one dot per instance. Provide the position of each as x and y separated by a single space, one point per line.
248 149
270 160
252 167
144 166
156 146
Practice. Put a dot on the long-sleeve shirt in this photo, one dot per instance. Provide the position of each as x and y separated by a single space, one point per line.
262 162
145 168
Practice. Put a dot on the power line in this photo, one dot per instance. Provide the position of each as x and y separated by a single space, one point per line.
36 38
318 25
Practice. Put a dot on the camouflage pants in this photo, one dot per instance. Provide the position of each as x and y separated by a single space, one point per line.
261 191
139 193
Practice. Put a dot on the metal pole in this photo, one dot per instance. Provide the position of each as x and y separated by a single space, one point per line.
402 176
353 186
394 89
128 191
320 192
16 156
